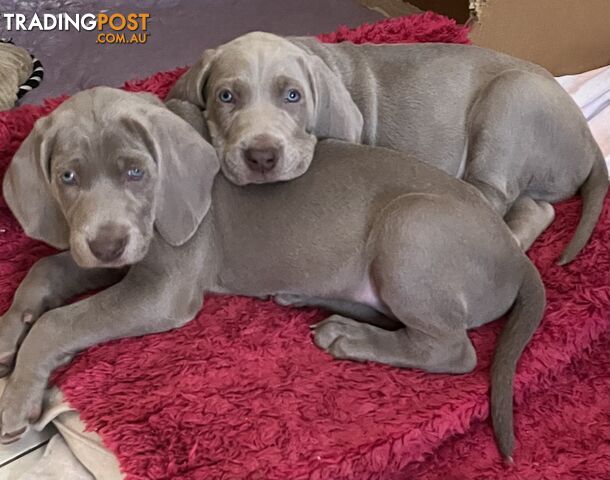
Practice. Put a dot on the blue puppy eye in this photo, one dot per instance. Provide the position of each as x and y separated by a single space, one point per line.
293 96
225 96
135 174
68 177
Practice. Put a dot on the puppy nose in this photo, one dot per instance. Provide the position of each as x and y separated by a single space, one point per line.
261 159
109 243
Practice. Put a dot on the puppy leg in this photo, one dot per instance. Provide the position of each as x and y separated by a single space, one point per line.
526 137
528 218
435 286
357 311
499 200
426 302
51 282
507 150
143 303
345 338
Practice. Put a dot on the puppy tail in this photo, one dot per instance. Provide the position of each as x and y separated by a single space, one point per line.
523 319
593 192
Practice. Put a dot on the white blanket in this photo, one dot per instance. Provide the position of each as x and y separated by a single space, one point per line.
591 91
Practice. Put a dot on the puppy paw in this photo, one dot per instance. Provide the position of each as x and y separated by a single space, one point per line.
13 326
342 337
6 362
20 405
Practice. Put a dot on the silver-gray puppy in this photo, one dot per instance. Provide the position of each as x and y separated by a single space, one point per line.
121 181
502 124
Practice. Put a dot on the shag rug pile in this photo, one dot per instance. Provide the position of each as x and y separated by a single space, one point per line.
242 392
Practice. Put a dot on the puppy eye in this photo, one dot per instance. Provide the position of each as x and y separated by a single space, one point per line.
135 174
225 96
293 96
68 177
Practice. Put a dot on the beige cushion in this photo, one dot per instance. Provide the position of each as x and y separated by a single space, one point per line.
15 69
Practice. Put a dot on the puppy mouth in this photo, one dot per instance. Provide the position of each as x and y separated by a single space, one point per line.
241 178
131 256
133 253
87 260
244 176
261 178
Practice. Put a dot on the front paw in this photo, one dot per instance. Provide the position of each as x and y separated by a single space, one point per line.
13 326
20 405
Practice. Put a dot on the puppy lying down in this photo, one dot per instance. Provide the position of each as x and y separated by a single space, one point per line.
499 123
368 232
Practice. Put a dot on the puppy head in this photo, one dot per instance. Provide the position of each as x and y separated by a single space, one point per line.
105 169
266 102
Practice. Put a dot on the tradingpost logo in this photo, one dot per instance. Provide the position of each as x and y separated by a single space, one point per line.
112 28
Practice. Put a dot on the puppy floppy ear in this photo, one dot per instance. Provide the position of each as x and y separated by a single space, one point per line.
187 166
189 112
27 187
189 86
335 115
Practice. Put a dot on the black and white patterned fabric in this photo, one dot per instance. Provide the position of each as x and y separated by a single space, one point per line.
35 78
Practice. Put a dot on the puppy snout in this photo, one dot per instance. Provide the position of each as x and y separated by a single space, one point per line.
262 154
261 160
109 242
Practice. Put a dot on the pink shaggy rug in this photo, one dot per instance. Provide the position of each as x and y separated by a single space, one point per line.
241 392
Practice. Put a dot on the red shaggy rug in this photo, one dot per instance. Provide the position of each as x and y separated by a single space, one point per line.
564 433
242 392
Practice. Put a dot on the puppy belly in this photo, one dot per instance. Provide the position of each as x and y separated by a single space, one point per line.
366 294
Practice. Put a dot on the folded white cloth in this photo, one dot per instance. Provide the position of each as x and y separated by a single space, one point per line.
591 91
73 453
78 451
57 463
